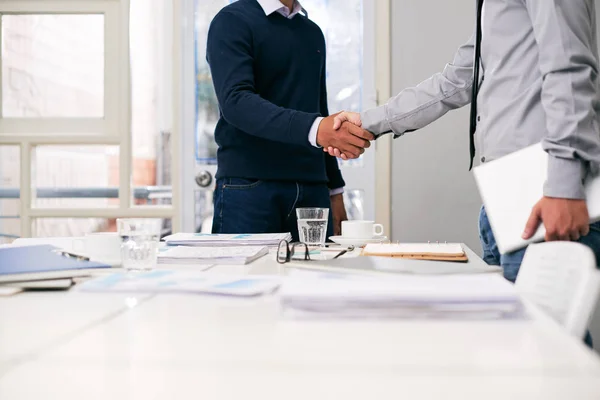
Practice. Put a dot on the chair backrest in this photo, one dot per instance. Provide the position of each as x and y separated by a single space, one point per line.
562 279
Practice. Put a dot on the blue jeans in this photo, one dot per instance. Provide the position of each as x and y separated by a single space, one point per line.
255 206
511 262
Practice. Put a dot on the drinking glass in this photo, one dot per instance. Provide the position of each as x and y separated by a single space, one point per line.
312 225
139 242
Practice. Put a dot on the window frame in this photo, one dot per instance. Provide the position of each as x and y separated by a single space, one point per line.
113 129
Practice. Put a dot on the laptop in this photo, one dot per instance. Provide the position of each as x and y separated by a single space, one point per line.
42 263
511 186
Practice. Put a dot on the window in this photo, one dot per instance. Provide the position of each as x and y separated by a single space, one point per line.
89 111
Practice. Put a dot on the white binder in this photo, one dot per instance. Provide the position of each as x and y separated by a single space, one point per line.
511 186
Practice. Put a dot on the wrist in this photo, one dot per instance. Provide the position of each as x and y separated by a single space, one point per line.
313 134
319 135
565 179
337 193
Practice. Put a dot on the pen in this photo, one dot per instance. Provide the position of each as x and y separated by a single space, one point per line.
341 253
72 255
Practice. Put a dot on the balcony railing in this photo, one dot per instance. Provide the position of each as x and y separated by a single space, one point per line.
148 194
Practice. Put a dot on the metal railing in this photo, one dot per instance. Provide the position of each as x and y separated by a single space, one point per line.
148 194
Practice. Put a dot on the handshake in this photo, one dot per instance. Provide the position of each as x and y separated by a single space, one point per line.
341 136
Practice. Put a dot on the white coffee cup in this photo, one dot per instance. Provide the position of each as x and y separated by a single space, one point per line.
361 229
100 246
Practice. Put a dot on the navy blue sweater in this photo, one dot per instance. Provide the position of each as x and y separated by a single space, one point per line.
269 76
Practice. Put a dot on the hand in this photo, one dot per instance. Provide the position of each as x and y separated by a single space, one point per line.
344 116
564 219
349 139
338 210
352 117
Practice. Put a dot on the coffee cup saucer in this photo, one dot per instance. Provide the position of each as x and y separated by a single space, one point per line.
357 242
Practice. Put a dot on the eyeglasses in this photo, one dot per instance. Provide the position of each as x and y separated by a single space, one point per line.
287 250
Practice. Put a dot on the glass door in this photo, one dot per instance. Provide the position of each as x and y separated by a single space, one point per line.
348 27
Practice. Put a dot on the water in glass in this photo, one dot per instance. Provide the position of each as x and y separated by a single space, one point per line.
312 225
312 231
139 243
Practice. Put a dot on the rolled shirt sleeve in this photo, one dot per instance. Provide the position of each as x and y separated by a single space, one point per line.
566 38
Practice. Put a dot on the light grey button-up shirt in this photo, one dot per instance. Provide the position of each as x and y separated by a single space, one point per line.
539 63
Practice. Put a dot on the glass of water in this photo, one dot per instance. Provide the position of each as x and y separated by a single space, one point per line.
312 225
139 242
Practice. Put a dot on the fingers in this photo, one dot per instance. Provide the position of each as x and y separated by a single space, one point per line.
353 118
533 223
339 120
584 230
337 228
555 232
360 132
574 236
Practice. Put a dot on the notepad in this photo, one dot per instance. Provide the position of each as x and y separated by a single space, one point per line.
418 251
211 255
203 239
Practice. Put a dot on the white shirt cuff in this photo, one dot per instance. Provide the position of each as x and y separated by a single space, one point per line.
333 192
312 135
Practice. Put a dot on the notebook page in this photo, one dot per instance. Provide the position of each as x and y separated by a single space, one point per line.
442 249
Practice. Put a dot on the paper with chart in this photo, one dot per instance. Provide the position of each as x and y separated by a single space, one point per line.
204 239
328 295
191 282
211 255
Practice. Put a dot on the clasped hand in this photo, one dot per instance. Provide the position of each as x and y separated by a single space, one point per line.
341 136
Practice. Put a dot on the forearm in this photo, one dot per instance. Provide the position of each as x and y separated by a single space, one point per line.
258 117
416 107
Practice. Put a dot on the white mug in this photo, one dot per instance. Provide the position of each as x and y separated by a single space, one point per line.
361 229
100 246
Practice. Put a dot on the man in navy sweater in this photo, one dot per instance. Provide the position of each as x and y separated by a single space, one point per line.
267 61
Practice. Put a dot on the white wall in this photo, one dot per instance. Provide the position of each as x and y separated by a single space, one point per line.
434 197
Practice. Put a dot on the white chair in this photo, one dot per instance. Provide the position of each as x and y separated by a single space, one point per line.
561 278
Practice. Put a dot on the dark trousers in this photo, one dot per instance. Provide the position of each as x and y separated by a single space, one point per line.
254 206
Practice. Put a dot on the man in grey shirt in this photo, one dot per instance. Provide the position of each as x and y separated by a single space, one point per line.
538 82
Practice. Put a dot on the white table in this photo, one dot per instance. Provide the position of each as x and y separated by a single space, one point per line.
85 346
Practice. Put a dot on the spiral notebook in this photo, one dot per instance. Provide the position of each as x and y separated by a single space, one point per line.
418 251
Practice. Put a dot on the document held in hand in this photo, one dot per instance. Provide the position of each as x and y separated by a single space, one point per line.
512 185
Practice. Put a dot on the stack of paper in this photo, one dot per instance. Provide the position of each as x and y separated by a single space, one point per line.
211 255
309 294
162 281
203 239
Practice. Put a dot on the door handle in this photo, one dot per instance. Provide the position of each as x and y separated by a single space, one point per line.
204 179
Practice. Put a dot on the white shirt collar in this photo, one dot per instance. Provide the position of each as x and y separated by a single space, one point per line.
271 6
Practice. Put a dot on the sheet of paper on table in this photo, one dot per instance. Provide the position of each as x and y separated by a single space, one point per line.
177 281
319 294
